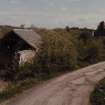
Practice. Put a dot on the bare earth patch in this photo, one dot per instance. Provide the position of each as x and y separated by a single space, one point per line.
70 89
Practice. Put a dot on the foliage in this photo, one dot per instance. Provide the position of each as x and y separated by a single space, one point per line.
98 95
100 31
15 88
61 51
101 26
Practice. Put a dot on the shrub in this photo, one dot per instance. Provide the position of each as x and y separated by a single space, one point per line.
58 52
61 51
98 95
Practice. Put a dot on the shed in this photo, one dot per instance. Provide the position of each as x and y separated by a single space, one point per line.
19 40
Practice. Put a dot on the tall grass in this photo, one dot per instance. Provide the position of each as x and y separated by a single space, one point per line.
62 51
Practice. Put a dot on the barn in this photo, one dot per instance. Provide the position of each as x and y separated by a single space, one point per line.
20 45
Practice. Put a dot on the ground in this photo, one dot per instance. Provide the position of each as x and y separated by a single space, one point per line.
70 89
3 85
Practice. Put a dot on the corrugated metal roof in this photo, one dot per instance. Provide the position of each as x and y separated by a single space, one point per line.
31 37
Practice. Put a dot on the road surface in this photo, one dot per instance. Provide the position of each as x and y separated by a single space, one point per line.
70 89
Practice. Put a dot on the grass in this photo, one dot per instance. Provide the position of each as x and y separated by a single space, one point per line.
17 88
98 95
60 52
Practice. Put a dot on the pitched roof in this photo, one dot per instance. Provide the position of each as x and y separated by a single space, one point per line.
29 36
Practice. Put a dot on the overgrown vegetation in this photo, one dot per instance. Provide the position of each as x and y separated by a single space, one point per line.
15 88
62 50
98 95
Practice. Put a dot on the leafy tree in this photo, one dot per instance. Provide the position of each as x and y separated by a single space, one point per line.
67 28
101 26
100 31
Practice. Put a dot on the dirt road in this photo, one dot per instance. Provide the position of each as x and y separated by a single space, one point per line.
70 89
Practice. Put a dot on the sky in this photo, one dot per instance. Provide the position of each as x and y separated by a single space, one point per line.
52 13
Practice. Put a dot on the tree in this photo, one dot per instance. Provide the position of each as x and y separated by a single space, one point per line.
67 28
101 26
22 26
85 35
100 31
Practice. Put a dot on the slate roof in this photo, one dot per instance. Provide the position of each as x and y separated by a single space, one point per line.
29 36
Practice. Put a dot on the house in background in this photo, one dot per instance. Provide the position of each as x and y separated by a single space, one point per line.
20 45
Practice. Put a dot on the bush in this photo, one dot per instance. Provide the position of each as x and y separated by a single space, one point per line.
98 95
61 51
57 54
16 88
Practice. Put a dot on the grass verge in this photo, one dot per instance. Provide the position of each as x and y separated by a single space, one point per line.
98 95
18 87
15 88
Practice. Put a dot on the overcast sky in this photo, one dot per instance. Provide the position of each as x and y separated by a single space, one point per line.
52 13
